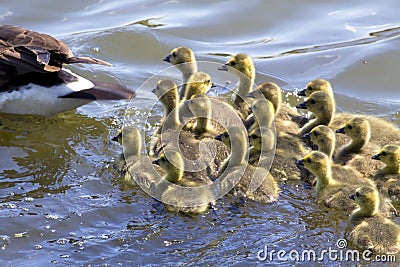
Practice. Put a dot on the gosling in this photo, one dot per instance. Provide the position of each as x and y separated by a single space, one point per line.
368 228
182 192
184 59
255 183
330 191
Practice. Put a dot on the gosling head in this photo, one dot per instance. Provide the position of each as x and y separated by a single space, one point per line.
233 136
262 139
367 198
270 91
356 128
180 55
242 63
172 162
316 86
167 92
316 162
319 103
198 83
390 155
324 138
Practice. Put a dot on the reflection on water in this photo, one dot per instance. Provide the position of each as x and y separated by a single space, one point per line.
63 203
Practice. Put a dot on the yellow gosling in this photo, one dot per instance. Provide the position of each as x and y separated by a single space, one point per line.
184 59
331 191
178 198
368 228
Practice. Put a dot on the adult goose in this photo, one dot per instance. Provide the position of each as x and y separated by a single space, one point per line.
33 80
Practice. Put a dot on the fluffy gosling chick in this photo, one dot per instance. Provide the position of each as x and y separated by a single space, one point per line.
283 112
357 153
369 230
179 191
263 111
198 83
330 191
316 85
167 92
324 138
327 116
255 183
388 177
322 106
242 66
136 168
183 58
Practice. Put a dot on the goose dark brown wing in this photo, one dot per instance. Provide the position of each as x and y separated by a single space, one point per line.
23 51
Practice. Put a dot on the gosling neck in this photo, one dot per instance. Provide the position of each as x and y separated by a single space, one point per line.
187 70
171 119
202 125
392 168
324 118
240 149
245 87
324 178
327 147
357 144
174 175
364 212
132 142
192 89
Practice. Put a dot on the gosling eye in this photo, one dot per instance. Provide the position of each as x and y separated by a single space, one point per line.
312 101
163 160
226 135
357 194
253 136
174 54
315 133
308 160
349 127
232 63
309 88
208 81
384 154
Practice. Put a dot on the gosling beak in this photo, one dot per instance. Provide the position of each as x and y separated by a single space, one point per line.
156 161
352 197
302 92
302 105
223 67
167 59
376 157
341 130
115 138
154 90
251 95
307 136
300 162
213 85
218 137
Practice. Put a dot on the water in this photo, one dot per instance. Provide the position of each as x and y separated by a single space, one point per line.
62 203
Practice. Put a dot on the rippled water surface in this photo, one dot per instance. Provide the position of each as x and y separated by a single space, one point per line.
62 203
